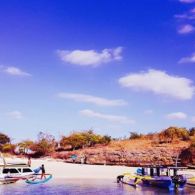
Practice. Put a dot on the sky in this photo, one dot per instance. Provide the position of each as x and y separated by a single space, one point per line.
112 66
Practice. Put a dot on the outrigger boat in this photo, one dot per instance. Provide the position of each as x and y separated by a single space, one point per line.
162 177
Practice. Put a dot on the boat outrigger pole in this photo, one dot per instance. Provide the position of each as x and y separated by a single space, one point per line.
4 162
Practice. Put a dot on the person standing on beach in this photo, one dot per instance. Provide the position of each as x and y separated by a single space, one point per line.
43 172
82 159
29 161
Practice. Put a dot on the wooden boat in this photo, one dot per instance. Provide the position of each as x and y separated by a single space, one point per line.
163 178
157 177
132 180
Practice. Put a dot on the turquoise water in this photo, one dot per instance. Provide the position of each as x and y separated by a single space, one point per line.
83 187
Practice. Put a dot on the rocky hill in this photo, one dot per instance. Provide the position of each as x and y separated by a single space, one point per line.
136 152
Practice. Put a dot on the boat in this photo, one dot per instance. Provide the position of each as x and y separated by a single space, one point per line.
130 179
162 177
13 172
36 179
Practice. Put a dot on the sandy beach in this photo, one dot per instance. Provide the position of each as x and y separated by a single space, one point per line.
60 169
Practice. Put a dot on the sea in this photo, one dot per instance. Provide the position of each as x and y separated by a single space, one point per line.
84 187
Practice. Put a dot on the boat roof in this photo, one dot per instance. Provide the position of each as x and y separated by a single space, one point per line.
177 168
15 165
165 167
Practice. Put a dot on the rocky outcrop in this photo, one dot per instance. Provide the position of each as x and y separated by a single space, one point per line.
187 156
152 155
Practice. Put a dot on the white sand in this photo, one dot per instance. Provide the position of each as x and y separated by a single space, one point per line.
59 169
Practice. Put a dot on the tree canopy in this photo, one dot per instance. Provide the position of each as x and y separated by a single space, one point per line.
4 139
84 139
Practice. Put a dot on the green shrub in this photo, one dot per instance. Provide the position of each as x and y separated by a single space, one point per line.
8 148
45 145
192 142
173 133
82 139
4 139
134 135
192 131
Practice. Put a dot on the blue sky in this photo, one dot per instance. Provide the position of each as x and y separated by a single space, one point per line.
113 66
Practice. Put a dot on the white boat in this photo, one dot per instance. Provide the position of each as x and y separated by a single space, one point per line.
12 172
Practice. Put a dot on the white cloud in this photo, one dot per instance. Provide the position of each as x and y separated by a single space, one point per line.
189 15
11 70
90 57
176 115
159 82
193 119
186 29
187 1
92 99
190 59
15 114
110 118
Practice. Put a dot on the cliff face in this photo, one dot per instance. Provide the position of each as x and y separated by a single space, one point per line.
187 156
130 153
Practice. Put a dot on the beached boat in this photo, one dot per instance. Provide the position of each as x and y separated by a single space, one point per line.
130 179
12 172
156 176
164 178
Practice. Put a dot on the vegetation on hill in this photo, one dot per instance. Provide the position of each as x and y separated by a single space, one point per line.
5 143
152 147
77 140
45 144
4 139
168 135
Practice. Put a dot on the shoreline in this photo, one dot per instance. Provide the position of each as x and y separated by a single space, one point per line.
63 170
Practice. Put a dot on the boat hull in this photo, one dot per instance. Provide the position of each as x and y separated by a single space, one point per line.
158 182
8 180
165 182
